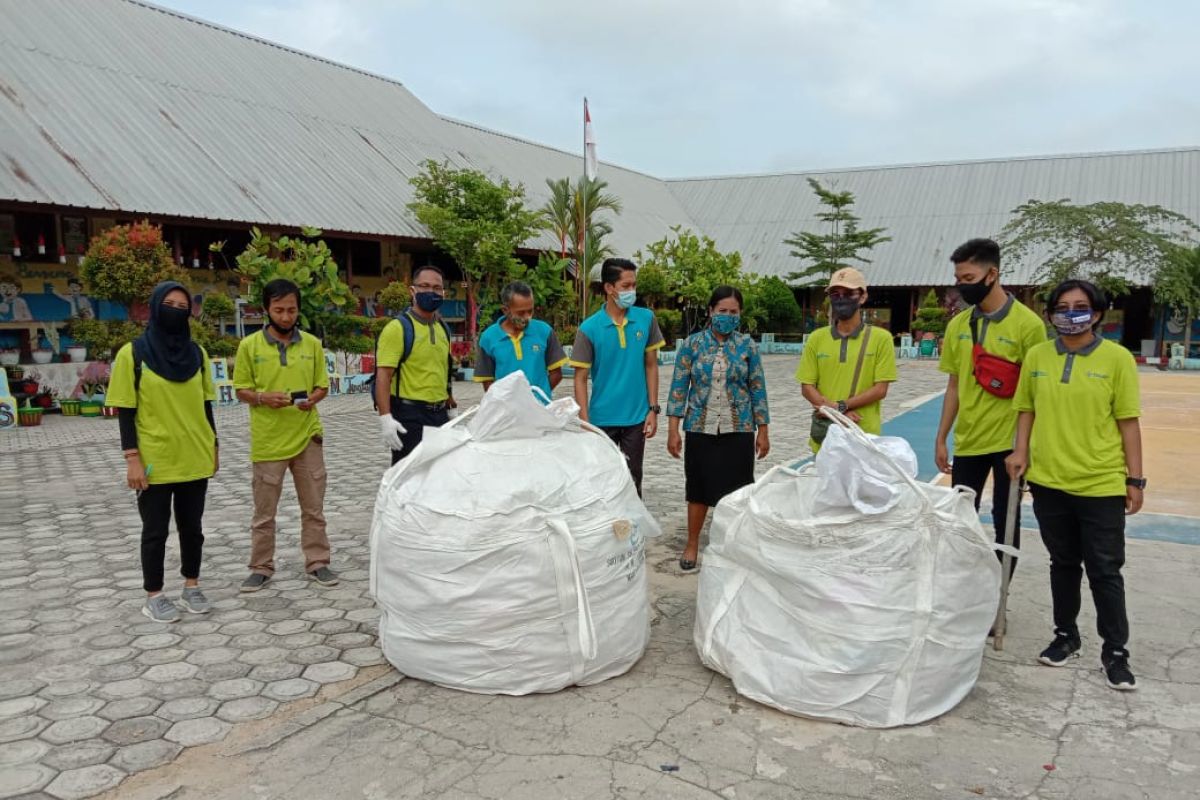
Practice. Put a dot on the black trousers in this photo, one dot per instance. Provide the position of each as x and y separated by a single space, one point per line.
1087 531
632 441
415 418
154 504
972 472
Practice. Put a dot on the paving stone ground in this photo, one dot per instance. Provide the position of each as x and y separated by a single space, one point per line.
92 693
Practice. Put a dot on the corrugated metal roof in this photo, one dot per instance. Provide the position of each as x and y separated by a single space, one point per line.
121 105
929 209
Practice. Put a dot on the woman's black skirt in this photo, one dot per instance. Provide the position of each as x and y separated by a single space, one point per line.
717 464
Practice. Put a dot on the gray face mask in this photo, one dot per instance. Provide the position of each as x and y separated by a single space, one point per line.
844 307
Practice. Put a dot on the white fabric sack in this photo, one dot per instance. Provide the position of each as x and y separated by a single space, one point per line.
875 620
508 551
853 478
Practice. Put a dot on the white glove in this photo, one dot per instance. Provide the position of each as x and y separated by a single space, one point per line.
389 432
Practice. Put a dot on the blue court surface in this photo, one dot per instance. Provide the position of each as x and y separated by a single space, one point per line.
919 426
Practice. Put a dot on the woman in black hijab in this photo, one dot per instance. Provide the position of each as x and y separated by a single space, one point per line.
163 390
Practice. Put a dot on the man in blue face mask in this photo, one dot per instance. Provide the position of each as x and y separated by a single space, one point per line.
617 347
412 363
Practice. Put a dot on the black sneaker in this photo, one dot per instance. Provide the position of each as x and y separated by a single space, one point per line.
1062 648
1116 670
255 582
324 576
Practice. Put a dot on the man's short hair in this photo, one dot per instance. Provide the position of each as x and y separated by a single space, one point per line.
613 268
279 289
984 252
428 268
514 288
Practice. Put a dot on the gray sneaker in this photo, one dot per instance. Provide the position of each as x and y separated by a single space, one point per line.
255 582
324 576
160 609
194 600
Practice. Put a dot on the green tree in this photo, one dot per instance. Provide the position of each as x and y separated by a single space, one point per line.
574 215
1177 286
842 244
304 260
780 311
479 222
125 262
931 317
693 267
395 297
1111 244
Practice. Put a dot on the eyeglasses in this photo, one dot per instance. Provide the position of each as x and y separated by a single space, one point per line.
841 294
429 287
1078 307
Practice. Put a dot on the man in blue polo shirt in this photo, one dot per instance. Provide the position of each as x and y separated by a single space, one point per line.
618 347
519 343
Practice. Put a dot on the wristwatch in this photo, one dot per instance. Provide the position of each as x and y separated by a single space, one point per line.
656 409
1138 483
841 406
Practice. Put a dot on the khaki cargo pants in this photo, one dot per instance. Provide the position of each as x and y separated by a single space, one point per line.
308 476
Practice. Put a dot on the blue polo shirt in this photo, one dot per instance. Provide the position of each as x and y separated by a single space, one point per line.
615 355
535 351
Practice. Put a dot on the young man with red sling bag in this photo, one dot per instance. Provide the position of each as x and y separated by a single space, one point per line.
982 354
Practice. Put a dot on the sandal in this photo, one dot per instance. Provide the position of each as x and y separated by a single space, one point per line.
686 566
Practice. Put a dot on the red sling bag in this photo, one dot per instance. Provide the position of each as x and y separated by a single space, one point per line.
997 376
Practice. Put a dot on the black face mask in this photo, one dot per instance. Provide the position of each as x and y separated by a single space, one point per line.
174 321
844 307
974 293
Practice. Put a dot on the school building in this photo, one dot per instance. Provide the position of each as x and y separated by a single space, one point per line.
117 110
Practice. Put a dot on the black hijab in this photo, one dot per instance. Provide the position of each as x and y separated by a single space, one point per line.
173 356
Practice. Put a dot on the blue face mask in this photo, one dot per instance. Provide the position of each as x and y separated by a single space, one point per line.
626 299
1071 323
726 324
429 301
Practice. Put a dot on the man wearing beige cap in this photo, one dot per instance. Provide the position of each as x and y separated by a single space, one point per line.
849 364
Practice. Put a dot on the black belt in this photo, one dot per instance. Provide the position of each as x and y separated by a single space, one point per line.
421 404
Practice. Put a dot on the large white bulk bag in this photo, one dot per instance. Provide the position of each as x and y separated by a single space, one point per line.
508 551
867 619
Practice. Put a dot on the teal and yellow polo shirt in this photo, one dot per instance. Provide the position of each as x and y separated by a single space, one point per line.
615 355
265 364
535 351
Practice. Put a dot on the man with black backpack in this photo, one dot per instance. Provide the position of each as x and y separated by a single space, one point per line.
412 367
982 353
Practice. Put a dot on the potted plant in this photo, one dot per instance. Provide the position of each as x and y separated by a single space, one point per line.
29 416
42 355
70 407
10 357
77 353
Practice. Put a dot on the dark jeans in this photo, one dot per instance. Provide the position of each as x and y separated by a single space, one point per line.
1089 531
415 418
632 441
972 472
154 504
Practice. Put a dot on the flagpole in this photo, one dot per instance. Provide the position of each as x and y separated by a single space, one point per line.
584 275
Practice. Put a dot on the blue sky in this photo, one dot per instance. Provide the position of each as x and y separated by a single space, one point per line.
708 87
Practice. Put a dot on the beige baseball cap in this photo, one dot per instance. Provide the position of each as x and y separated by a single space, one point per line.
848 278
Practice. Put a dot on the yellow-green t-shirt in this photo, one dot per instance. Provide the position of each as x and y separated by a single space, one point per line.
1077 399
425 376
175 441
986 423
828 363
266 365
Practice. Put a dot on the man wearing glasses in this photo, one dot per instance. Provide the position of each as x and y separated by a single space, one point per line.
849 364
412 379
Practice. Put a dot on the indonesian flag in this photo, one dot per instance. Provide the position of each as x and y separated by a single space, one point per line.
589 145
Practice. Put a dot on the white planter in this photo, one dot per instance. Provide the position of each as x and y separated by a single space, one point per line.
10 358
43 356
78 353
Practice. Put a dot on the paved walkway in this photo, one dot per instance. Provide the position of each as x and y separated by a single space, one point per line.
283 693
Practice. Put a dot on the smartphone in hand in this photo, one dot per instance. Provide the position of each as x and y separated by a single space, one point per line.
299 397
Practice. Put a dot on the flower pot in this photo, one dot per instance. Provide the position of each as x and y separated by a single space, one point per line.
10 358
78 353
27 386
43 356
43 401
29 417
70 408
90 408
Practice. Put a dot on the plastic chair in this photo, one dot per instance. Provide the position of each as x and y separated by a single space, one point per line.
1177 357
928 348
906 348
